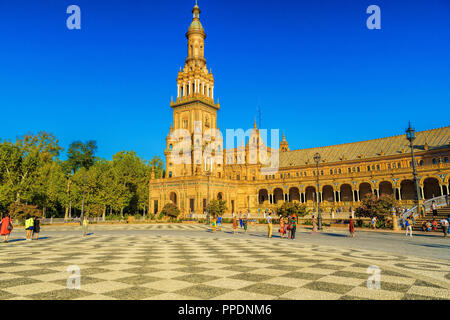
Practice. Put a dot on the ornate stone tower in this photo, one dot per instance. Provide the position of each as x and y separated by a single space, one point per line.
194 110
284 145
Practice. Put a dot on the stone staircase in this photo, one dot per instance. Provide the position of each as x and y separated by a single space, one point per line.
442 213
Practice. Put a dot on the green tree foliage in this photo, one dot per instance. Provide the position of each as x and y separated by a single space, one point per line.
31 173
20 211
289 208
170 210
81 155
216 207
376 207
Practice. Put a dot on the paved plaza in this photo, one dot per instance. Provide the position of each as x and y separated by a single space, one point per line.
182 261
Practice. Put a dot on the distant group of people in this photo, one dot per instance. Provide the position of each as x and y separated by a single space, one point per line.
288 225
32 227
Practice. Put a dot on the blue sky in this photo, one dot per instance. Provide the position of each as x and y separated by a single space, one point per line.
314 68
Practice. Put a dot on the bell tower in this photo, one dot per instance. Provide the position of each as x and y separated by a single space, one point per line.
194 109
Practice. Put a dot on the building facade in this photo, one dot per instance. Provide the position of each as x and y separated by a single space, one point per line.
199 169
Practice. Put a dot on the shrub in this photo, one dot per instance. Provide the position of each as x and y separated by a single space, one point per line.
376 207
170 210
20 211
216 207
289 208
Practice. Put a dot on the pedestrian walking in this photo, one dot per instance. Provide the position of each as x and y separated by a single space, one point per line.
245 222
213 224
269 225
444 225
6 227
282 229
351 228
374 222
234 223
293 227
85 226
29 222
219 223
314 223
408 227
241 222
36 228
434 208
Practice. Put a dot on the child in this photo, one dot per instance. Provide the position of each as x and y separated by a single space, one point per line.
213 225
29 222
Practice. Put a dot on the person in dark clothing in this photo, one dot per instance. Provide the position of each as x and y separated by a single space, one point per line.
37 228
293 227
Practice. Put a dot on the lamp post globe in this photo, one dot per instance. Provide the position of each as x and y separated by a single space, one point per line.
317 158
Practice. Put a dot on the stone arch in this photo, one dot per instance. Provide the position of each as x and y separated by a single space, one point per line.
220 196
263 195
328 193
310 192
173 198
385 188
431 188
294 194
365 189
278 195
407 189
346 192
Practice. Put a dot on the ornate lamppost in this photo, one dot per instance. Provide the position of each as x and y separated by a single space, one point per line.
411 137
319 214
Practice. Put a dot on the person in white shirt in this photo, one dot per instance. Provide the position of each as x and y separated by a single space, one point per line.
444 225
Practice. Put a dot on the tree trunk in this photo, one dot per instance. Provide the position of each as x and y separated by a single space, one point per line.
121 212
104 213
43 212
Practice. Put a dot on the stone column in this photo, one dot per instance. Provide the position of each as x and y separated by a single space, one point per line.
207 91
442 189
184 89
190 88
212 92
178 91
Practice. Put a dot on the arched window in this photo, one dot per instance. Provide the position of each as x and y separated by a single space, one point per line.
421 163
434 161
446 159
399 165
170 174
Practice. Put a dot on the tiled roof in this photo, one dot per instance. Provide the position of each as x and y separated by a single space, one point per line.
396 145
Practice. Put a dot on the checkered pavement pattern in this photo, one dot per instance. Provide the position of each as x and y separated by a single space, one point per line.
176 268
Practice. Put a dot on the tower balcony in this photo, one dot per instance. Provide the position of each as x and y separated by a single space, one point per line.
195 97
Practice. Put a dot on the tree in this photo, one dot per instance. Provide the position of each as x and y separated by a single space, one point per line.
376 207
81 155
290 208
170 210
157 167
20 211
216 207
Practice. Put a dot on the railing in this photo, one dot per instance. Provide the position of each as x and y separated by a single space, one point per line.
440 201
